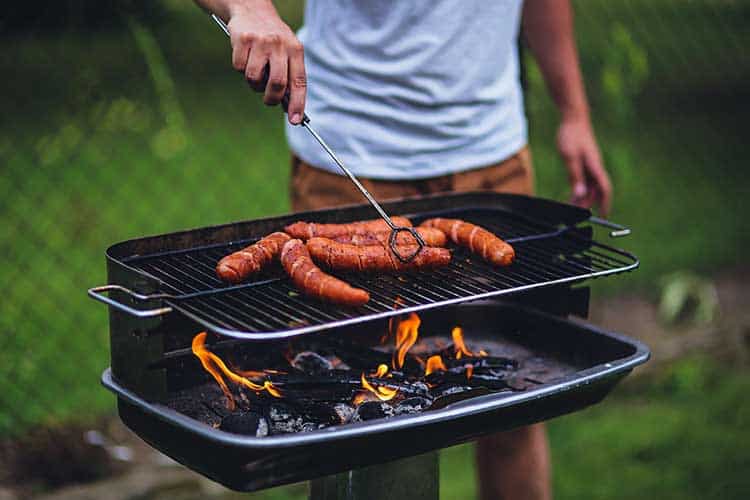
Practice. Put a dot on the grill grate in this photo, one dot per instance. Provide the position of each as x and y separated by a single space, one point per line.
270 307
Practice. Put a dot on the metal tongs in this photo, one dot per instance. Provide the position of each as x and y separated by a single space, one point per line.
394 228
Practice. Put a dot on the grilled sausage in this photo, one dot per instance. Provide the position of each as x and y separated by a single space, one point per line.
431 236
237 266
313 282
307 230
477 239
345 257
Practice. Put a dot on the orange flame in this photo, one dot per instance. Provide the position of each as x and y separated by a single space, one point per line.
458 343
398 302
381 392
434 363
211 362
360 398
407 333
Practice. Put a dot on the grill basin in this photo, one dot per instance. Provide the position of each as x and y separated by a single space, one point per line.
597 361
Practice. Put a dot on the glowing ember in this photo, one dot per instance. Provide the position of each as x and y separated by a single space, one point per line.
434 363
482 352
458 343
407 333
381 392
214 365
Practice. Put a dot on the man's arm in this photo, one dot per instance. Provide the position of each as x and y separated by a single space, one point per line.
259 39
548 27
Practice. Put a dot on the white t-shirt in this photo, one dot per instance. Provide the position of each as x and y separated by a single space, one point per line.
411 89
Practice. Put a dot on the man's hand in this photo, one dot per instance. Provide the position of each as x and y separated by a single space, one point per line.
589 182
265 50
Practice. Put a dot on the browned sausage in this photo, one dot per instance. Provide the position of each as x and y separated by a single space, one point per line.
307 230
431 236
313 282
241 264
345 257
477 239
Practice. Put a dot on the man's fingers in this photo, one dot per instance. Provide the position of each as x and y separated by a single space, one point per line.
297 85
576 177
255 73
600 181
240 51
277 78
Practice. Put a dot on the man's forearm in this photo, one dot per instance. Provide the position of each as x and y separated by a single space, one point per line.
548 28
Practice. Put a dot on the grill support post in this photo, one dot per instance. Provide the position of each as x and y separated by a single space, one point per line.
415 478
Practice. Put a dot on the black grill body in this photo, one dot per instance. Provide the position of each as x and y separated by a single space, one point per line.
525 303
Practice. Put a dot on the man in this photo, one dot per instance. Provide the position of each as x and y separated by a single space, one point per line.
417 97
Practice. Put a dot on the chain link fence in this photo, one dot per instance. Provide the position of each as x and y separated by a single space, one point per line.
144 128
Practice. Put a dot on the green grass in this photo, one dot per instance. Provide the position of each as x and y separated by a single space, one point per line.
88 158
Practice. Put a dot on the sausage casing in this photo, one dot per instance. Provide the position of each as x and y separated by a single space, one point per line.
346 257
307 230
237 266
476 239
432 237
312 281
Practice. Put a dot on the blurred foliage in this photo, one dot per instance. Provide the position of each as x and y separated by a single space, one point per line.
54 16
144 128
687 298
624 73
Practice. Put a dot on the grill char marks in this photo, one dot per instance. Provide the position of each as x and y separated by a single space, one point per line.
378 258
236 267
432 237
475 238
307 230
312 281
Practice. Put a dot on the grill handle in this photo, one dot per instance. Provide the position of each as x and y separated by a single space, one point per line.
96 293
618 230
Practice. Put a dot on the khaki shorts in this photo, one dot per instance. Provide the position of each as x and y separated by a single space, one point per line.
313 188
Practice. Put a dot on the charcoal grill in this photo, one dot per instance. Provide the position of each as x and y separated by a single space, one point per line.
164 292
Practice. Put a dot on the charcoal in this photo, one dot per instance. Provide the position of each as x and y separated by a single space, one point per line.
452 395
300 417
284 419
480 363
448 390
518 383
412 405
441 378
370 410
248 423
310 426
344 412
311 363
356 356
